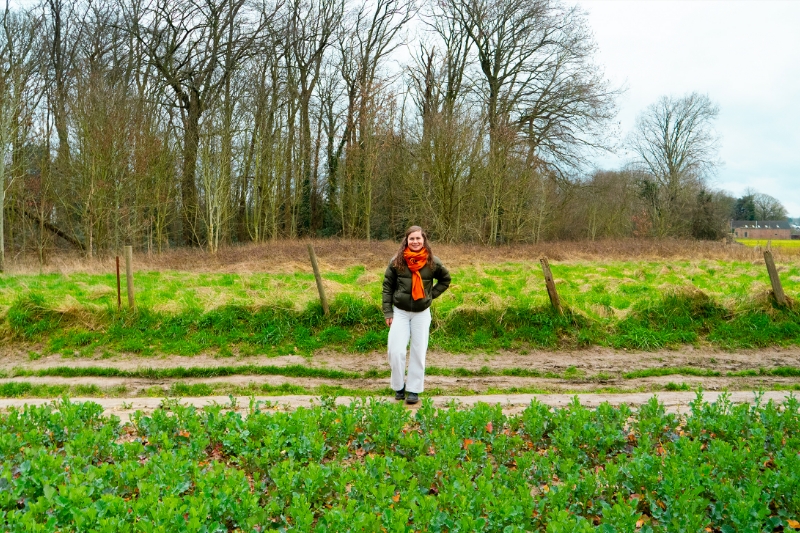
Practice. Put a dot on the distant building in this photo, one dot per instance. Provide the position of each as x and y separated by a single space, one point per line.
761 229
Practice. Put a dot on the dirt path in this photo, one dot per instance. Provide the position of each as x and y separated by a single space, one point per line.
134 387
676 402
584 371
590 361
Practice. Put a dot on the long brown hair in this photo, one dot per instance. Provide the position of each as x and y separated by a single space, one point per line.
398 261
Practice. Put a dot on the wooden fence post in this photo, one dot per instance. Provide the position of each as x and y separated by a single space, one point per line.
777 289
551 285
318 277
129 276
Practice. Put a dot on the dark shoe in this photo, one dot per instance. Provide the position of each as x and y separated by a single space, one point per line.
412 398
400 394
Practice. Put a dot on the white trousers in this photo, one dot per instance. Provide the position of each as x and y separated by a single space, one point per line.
416 327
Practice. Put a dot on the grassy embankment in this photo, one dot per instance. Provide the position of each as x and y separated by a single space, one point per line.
644 304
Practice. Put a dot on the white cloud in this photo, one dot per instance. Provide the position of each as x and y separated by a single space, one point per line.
744 55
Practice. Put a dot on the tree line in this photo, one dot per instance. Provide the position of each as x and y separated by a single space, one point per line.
163 123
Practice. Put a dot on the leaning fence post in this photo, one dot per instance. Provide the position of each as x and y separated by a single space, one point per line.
551 285
777 289
129 276
318 277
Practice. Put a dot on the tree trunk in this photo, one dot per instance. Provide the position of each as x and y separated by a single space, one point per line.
191 142
2 216
495 163
60 96
306 161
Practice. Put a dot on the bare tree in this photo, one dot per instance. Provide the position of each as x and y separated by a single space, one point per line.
767 207
677 147
447 133
196 46
449 146
364 47
64 32
539 85
19 61
311 30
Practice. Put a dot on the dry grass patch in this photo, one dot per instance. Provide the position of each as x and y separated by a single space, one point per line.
338 254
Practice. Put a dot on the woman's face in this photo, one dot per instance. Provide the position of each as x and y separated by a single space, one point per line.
415 241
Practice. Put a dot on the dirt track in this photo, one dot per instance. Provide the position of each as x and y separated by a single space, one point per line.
591 370
447 384
590 361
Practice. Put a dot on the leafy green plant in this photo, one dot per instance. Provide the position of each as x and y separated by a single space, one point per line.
374 465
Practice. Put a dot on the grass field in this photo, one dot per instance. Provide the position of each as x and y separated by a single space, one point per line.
600 289
497 301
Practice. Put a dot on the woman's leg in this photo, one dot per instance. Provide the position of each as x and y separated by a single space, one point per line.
399 332
420 330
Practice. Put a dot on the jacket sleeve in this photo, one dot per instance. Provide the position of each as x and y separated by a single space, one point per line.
442 277
389 285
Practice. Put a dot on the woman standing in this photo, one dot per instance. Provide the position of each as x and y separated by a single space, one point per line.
408 291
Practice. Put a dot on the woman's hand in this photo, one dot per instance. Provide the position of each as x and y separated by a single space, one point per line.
389 322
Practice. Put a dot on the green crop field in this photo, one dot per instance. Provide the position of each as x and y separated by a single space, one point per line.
374 466
491 305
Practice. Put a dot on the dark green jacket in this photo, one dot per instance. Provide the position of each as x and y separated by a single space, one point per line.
397 287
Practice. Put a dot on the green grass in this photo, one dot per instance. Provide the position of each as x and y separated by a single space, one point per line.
20 389
623 304
297 371
781 371
680 371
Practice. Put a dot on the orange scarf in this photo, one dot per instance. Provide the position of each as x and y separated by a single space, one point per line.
415 261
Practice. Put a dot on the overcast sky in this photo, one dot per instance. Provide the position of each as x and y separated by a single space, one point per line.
744 55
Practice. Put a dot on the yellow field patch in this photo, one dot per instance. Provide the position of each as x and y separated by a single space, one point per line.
777 243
